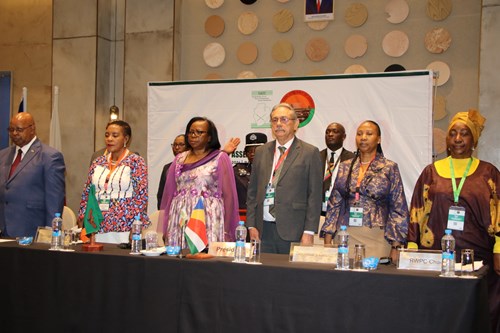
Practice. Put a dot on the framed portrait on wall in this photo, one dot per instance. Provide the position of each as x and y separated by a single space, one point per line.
318 10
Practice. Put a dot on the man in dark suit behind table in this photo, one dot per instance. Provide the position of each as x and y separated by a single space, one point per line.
32 186
334 140
284 193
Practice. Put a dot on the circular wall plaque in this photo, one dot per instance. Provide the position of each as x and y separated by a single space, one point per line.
317 49
439 140
281 73
214 54
438 10
317 25
355 46
395 43
443 71
214 26
355 69
282 51
437 40
283 20
246 75
439 107
394 68
213 76
397 10
247 53
316 72
247 23
356 15
214 3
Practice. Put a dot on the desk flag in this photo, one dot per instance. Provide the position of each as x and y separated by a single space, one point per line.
196 231
93 215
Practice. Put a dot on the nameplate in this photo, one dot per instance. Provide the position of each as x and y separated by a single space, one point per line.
425 260
313 253
226 249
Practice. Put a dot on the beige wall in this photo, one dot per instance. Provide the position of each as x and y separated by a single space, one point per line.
26 51
72 44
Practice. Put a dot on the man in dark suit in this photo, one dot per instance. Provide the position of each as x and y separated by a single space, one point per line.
178 146
319 7
284 193
32 180
331 158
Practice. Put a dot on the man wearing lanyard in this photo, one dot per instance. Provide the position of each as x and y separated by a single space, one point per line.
284 193
331 158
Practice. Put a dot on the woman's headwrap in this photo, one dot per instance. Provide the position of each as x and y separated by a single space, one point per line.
473 119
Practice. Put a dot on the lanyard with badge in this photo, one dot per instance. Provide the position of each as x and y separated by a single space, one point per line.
356 210
270 190
328 174
456 213
105 199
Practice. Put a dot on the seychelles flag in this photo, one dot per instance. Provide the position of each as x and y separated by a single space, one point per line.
196 231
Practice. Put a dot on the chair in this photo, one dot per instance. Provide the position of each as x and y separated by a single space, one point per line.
153 217
69 218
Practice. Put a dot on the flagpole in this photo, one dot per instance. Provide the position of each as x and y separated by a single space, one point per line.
25 99
55 129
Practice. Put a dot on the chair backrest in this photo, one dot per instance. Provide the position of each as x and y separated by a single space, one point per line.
69 218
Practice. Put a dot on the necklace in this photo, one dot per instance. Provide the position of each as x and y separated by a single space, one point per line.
365 163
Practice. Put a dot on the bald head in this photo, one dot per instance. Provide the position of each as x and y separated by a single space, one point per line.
22 129
335 136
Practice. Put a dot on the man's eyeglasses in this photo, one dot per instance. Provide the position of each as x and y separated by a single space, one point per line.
17 129
178 145
196 133
283 120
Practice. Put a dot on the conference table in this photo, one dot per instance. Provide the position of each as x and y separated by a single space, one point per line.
113 291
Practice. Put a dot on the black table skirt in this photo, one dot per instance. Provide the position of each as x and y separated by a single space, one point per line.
113 291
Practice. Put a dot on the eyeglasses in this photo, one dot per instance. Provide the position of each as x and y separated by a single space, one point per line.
178 145
283 120
196 132
17 129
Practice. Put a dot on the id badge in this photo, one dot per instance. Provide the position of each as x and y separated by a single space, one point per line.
104 203
356 216
325 201
456 218
269 199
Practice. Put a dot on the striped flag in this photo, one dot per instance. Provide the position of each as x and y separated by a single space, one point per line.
196 231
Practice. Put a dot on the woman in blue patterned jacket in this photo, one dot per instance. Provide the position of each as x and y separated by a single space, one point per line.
368 197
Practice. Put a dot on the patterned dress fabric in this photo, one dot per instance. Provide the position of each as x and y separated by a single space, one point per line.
212 179
381 196
127 189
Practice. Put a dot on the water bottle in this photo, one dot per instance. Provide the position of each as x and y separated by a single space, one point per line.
241 236
343 249
136 236
448 256
56 242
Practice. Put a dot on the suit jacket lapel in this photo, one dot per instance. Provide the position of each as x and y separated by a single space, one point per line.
34 149
8 162
267 163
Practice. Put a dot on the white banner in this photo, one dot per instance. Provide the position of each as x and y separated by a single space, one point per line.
401 103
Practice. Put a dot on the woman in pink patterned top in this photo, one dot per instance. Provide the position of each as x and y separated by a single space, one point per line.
120 178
